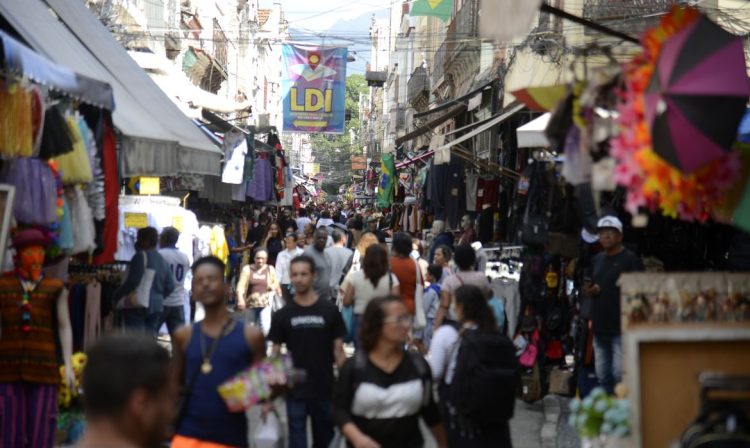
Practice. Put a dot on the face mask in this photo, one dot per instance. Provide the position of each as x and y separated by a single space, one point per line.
414 254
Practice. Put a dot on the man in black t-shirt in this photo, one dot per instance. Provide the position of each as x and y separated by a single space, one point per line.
606 268
313 330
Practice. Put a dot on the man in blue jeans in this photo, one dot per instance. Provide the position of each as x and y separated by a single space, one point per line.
179 265
313 330
606 268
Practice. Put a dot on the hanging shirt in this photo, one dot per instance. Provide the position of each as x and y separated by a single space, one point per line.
234 167
471 191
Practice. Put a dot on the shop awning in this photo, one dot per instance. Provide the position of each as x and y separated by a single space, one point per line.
432 124
157 139
531 135
197 155
18 58
512 110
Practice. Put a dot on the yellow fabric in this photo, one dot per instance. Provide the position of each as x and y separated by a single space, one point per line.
218 244
16 131
75 167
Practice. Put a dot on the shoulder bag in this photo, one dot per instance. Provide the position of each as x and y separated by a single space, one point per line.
141 297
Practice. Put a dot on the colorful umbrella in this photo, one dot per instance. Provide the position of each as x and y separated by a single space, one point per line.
697 95
541 99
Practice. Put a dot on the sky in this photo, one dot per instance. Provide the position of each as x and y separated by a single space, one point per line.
321 15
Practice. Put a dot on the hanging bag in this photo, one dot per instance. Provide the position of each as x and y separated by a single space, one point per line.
141 297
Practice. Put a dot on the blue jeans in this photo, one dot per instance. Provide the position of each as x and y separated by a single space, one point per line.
141 320
608 360
321 414
174 317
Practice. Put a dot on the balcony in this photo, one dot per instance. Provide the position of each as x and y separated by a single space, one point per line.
418 86
438 65
464 28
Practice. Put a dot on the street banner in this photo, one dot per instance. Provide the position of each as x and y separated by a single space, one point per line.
387 185
442 9
313 86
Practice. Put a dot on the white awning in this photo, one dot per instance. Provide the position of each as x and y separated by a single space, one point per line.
197 155
158 139
493 122
531 135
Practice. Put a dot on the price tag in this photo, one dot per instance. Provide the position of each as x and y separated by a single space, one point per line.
454 192
149 185
136 220
177 223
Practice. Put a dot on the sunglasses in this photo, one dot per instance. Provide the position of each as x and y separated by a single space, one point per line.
403 320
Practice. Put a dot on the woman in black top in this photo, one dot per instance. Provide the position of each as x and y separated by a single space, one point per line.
273 241
383 390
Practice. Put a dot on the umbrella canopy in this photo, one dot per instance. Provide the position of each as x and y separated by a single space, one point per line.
541 99
697 95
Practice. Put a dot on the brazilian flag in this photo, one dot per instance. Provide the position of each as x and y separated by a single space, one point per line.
387 186
442 9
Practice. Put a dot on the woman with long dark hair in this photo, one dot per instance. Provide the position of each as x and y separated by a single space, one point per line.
383 390
273 242
373 280
475 318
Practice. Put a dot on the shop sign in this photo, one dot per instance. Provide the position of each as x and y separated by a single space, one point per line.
178 223
313 88
359 163
149 185
311 168
136 220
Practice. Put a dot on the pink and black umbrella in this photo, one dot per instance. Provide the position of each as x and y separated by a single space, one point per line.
697 95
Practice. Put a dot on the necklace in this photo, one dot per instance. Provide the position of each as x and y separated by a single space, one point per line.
206 366
28 286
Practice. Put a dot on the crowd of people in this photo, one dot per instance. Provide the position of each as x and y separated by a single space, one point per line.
422 332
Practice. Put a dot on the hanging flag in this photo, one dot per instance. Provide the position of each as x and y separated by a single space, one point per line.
313 86
387 186
442 9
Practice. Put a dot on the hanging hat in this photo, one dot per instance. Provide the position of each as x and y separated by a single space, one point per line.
29 237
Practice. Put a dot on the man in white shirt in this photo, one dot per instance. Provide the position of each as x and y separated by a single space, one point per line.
340 260
303 220
283 263
179 265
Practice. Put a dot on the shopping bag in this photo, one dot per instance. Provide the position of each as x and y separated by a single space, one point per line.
339 441
268 434
420 319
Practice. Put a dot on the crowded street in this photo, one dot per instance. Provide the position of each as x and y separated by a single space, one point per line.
374 224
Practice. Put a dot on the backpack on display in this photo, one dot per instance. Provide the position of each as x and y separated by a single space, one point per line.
486 378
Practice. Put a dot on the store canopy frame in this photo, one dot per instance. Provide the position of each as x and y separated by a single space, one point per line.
459 100
499 118
432 124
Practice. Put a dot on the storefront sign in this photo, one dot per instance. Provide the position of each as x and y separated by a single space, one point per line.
149 185
311 168
178 223
314 88
359 163
136 220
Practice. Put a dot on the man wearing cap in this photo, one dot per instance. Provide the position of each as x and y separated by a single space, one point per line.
606 268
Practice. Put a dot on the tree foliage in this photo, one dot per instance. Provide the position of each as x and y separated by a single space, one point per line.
334 152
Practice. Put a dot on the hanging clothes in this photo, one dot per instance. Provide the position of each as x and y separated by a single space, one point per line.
249 170
56 137
111 196
16 128
83 221
487 193
455 193
261 188
471 191
234 166
75 166
36 190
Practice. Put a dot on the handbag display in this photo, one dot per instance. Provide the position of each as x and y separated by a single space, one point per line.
141 297
531 384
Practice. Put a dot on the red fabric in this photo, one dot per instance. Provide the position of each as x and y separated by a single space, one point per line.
487 193
111 195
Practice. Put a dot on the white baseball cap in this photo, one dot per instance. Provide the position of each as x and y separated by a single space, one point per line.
610 222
